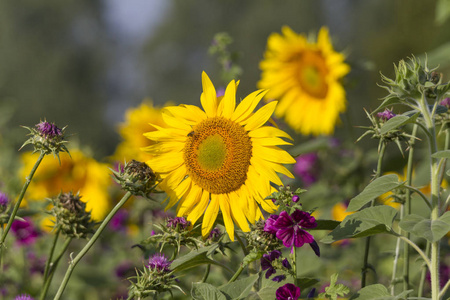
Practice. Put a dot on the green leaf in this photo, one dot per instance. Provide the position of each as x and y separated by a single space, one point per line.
240 288
369 221
430 230
205 291
334 290
305 282
251 257
398 121
441 154
375 189
196 258
377 292
326 225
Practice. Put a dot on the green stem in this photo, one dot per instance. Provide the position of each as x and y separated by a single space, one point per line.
205 276
296 264
419 251
19 200
244 249
51 271
435 201
236 275
52 249
382 147
423 272
407 206
422 195
444 289
91 242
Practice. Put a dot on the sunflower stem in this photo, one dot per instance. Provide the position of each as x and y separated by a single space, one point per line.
236 275
91 242
19 200
205 276
365 268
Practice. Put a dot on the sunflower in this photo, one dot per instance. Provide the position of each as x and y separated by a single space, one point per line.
132 129
222 158
77 172
304 76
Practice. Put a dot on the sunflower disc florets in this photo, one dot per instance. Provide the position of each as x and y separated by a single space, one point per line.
47 138
71 216
137 177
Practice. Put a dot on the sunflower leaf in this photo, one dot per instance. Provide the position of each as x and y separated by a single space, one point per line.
206 291
377 292
370 221
431 230
373 190
441 154
240 288
196 258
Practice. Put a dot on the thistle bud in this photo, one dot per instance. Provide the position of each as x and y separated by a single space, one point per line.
3 202
137 178
71 215
386 115
46 138
155 278
260 239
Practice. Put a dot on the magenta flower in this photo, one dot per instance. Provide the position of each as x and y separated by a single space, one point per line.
48 130
268 225
119 221
159 263
289 228
306 168
24 297
445 102
24 231
386 115
266 262
288 292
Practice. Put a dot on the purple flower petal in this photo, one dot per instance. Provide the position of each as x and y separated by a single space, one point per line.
286 236
302 237
288 292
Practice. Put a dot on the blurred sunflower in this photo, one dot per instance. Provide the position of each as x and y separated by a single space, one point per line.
132 132
220 158
304 76
76 173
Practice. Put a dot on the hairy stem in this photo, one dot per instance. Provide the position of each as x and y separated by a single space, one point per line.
365 267
91 242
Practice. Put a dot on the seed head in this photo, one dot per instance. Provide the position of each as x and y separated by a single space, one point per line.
137 178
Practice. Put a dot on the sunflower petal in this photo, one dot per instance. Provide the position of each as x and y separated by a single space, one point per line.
208 97
210 215
260 117
226 213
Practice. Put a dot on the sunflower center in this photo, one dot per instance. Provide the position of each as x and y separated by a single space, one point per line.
312 73
217 155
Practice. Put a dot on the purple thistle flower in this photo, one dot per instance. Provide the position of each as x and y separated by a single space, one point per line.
279 278
288 292
24 297
159 263
266 262
289 228
48 130
386 115
178 222
445 102
214 234
306 168
3 202
24 231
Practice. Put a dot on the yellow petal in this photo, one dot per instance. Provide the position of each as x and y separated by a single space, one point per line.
228 102
210 215
268 173
260 117
237 213
273 153
187 203
226 213
268 131
246 107
208 97
199 209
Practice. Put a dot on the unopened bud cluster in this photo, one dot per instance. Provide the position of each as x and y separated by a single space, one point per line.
412 81
71 216
137 178
47 138
260 240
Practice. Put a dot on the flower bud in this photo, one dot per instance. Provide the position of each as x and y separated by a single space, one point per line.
46 138
137 178
386 115
3 202
71 216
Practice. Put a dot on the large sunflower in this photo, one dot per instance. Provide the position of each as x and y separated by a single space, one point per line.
222 158
304 77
